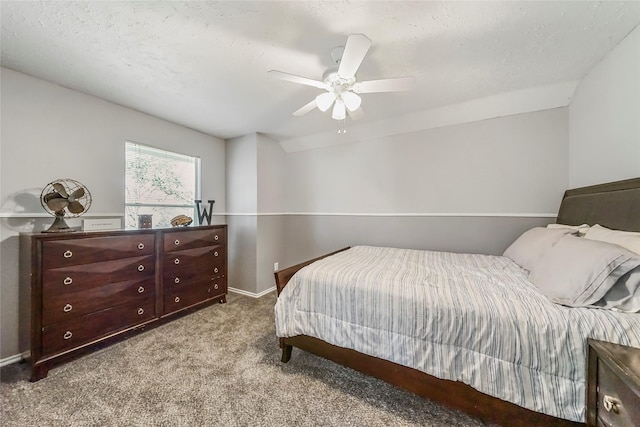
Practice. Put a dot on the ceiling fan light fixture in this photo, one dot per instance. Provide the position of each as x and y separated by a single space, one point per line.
339 110
351 100
324 101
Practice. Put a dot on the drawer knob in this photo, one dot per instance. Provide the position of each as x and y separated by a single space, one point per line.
215 253
67 335
67 280
215 237
176 261
215 286
140 311
176 242
176 280
67 254
611 404
141 267
140 246
67 308
140 290
215 270
177 299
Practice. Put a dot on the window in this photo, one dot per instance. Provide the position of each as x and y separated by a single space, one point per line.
159 182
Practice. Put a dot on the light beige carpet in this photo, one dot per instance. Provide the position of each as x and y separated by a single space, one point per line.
219 366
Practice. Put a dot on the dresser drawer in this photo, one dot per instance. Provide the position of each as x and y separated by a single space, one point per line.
183 298
617 404
79 278
209 261
176 241
70 305
91 327
186 281
62 253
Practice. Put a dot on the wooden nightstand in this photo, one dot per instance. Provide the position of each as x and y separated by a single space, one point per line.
613 385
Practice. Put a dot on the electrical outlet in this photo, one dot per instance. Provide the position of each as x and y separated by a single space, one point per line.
275 266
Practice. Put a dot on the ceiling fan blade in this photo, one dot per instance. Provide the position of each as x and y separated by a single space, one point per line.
325 100
57 204
60 189
356 114
298 79
351 100
339 111
385 85
355 50
305 109
75 207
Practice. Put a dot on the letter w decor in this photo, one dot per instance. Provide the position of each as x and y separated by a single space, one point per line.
202 213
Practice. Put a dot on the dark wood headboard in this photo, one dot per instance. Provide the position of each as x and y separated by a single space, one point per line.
613 205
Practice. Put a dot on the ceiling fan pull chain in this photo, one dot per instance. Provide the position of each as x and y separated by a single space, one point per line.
344 126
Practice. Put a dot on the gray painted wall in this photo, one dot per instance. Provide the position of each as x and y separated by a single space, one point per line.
242 252
241 174
242 199
605 118
50 132
311 235
271 245
471 188
514 164
255 186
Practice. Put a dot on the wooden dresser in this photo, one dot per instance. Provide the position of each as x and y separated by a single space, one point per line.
613 385
92 289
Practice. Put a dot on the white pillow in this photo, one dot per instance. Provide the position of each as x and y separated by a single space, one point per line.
529 247
578 272
581 229
624 295
627 239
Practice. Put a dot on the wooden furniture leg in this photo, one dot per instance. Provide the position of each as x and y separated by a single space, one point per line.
286 351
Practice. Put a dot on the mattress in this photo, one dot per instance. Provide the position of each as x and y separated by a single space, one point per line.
463 317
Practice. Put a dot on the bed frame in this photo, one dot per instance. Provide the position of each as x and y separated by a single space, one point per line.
614 205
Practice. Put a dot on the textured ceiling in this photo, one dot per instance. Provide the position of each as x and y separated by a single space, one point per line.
204 64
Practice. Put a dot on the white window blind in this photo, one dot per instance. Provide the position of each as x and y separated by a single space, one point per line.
159 182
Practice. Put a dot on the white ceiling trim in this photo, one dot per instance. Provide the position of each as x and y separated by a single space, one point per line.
522 101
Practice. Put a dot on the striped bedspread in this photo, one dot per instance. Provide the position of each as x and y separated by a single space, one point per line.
462 317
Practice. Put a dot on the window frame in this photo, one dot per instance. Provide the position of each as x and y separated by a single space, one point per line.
152 149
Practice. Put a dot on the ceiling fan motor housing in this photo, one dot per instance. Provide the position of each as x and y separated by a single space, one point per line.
334 80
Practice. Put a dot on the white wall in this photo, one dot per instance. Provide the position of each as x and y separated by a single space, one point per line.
51 132
604 118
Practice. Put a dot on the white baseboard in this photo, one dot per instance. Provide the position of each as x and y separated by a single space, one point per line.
251 294
15 358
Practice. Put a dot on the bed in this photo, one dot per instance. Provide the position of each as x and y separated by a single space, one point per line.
470 331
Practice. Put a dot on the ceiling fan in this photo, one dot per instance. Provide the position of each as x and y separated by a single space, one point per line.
340 82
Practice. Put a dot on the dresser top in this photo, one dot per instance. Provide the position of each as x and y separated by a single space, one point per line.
104 233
